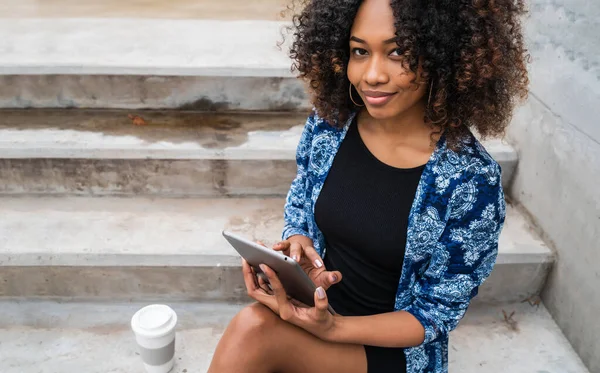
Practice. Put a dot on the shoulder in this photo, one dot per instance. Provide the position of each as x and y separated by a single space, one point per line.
468 161
314 121
317 123
467 178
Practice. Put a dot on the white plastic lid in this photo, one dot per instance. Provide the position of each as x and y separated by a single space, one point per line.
154 321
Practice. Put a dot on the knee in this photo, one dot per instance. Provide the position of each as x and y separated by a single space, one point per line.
254 322
248 341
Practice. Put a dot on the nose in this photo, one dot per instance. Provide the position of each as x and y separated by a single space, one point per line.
376 72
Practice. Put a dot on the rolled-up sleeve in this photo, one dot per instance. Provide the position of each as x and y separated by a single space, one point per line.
464 257
295 216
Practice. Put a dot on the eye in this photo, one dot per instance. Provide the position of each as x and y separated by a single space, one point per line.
396 53
359 52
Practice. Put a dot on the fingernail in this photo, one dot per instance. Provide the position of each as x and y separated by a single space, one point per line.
334 278
263 267
320 293
295 257
318 263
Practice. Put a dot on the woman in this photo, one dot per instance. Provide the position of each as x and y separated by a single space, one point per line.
393 192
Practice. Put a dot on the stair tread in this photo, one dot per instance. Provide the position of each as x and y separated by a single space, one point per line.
163 231
105 134
178 9
166 47
95 337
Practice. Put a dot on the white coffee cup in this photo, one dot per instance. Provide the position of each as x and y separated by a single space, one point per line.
154 329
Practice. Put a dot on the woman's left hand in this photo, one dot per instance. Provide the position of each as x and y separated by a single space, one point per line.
316 320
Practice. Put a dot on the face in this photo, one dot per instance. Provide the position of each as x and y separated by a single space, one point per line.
375 67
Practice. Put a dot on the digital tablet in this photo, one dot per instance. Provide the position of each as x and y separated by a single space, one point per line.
293 278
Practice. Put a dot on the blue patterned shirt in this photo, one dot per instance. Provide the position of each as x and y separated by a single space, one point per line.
452 239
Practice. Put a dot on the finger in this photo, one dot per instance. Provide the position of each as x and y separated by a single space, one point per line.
279 293
249 278
313 256
252 288
261 243
283 246
321 304
295 251
331 278
264 285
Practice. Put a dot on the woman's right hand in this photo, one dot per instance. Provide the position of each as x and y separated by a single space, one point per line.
300 249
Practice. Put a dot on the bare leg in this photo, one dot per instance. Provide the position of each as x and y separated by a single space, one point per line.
258 341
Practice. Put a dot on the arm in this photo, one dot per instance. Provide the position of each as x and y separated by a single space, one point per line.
392 329
456 270
295 219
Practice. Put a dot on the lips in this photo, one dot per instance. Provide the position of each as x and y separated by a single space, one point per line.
377 98
376 94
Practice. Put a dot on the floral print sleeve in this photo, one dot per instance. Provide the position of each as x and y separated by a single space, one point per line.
465 254
295 215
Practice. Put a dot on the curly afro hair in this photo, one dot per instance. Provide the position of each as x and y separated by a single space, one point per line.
472 52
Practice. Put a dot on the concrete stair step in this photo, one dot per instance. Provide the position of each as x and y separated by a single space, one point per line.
172 249
100 152
157 63
174 9
48 337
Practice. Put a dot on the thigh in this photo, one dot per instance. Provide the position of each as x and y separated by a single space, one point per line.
278 346
302 352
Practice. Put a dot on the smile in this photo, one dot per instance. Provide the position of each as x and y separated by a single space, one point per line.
377 98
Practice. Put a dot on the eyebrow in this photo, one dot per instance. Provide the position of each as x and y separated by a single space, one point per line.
358 40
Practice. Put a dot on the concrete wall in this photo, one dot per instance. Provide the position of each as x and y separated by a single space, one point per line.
557 135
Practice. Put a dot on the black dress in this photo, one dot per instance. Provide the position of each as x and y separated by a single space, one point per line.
363 211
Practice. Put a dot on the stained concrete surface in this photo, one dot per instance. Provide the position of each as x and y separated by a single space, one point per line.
130 248
557 182
144 47
141 63
46 337
109 134
148 226
125 91
137 226
177 153
558 140
157 9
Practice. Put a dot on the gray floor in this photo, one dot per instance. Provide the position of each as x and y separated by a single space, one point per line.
47 337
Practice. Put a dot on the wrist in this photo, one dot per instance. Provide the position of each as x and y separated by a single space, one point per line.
332 333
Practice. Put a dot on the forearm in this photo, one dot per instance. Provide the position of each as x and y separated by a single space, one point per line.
393 329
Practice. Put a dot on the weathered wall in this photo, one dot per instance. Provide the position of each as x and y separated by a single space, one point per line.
557 135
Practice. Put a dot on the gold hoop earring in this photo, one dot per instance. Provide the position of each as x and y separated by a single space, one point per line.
430 90
352 99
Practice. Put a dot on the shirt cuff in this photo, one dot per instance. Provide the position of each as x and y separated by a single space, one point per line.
292 231
425 319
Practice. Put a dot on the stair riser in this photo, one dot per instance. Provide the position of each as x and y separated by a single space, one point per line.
514 282
125 283
508 283
204 178
208 93
146 177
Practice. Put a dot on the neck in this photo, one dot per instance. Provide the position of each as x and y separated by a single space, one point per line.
407 124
